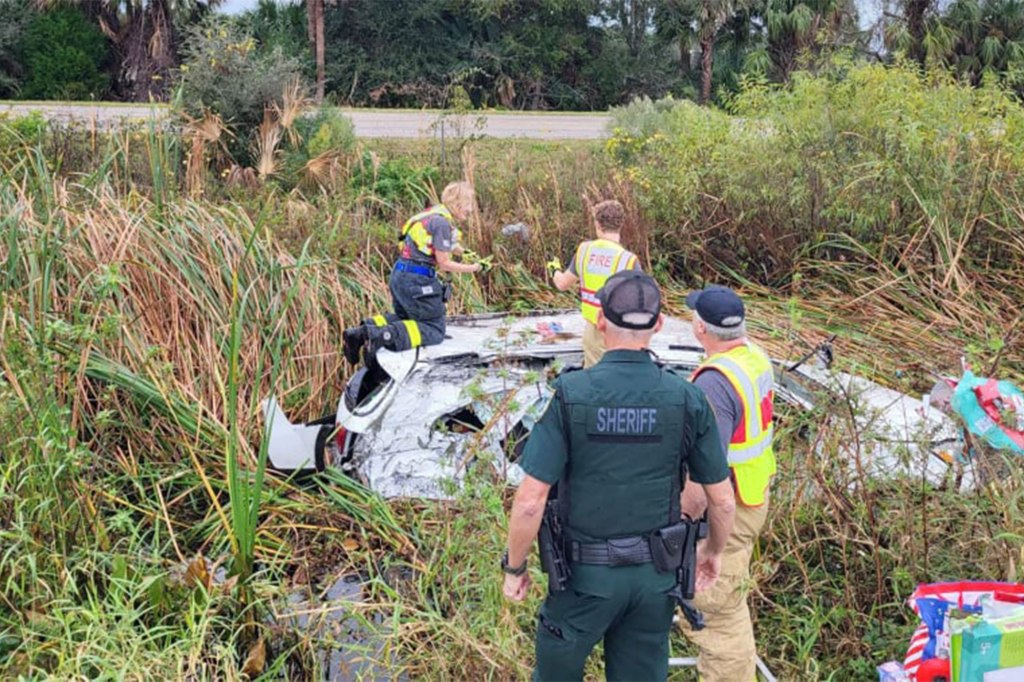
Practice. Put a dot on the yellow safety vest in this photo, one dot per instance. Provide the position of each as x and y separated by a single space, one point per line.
596 261
415 228
750 454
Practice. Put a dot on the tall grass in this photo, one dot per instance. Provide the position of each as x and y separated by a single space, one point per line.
139 530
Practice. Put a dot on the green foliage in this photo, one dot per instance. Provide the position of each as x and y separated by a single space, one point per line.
20 132
224 72
862 155
542 54
797 32
280 28
64 55
328 131
979 38
639 121
390 183
15 16
321 143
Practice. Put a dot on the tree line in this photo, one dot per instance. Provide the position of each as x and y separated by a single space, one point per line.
514 54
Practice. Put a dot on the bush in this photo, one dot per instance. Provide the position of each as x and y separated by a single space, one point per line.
393 182
19 133
327 136
15 16
862 163
224 72
640 120
64 55
328 131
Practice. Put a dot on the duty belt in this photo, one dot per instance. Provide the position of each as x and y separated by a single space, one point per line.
618 552
406 266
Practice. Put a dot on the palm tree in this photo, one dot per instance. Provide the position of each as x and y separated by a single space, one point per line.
712 15
315 17
795 27
987 37
674 22
973 37
144 39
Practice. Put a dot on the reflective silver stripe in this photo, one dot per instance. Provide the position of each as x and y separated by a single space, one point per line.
739 455
623 263
758 440
589 298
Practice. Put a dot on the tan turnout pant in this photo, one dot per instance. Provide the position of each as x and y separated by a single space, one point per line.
593 345
728 652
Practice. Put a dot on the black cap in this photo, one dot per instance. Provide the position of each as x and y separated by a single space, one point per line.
717 305
631 300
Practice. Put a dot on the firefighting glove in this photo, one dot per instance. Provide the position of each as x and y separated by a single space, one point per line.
553 265
486 263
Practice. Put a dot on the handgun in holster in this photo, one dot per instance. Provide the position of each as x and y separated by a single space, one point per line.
553 547
687 532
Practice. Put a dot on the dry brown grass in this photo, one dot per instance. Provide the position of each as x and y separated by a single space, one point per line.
268 138
294 102
208 131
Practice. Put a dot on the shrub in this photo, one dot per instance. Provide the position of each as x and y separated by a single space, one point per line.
861 162
224 72
17 133
393 182
64 56
15 16
328 131
325 139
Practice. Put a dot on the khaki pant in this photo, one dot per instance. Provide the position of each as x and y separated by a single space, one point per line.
593 345
728 652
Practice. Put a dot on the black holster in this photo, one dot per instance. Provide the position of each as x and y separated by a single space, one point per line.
668 545
686 573
553 545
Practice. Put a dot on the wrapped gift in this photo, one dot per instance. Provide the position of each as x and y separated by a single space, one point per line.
984 650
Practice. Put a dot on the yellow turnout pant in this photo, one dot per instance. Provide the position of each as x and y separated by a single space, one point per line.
727 649
593 345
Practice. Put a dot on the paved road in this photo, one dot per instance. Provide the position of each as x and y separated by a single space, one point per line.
368 123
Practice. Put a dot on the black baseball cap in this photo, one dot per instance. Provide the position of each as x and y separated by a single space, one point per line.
631 300
717 305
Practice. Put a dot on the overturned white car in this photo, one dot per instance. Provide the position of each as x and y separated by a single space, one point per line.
411 427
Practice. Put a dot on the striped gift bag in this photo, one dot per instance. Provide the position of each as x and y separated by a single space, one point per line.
931 602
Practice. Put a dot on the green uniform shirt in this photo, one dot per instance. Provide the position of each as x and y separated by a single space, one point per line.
547 449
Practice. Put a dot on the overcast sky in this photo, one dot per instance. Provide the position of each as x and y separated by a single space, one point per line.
237 6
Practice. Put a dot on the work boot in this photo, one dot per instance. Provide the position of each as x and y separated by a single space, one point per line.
352 341
377 338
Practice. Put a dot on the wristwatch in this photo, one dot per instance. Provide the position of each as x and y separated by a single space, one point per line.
512 570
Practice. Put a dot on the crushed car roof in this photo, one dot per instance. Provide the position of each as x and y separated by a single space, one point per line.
474 397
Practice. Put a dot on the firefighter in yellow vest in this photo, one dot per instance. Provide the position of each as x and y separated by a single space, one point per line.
595 261
428 240
738 381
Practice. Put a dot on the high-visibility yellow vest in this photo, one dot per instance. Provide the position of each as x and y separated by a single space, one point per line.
750 454
415 228
596 261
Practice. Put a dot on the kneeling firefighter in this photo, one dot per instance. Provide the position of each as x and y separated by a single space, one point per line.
429 240
617 439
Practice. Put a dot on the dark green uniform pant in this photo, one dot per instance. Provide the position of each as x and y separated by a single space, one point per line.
626 606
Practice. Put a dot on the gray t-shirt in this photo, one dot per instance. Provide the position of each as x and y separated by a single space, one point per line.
443 239
724 401
439 227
